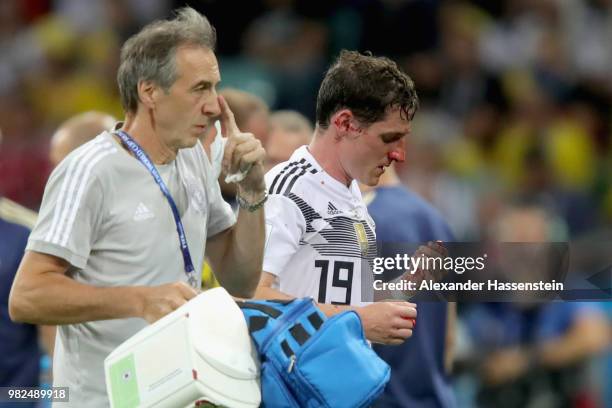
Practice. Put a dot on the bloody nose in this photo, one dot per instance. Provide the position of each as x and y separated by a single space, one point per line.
397 156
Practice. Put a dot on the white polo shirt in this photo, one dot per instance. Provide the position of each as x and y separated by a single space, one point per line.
320 239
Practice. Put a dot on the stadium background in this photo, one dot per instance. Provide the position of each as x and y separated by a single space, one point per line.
516 101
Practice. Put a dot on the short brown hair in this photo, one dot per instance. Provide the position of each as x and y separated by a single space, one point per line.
366 85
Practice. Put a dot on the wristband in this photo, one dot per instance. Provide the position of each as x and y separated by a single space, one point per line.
254 206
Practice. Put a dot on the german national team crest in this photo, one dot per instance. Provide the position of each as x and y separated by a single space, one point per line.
362 237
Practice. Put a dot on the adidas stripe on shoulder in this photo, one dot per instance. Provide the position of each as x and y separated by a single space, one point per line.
286 178
76 177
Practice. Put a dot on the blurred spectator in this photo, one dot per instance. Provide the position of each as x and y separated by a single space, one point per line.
77 130
424 172
23 152
466 83
511 42
544 152
420 366
79 66
21 54
587 30
534 354
288 131
292 45
124 15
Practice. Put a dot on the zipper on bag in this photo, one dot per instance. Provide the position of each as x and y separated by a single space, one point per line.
291 363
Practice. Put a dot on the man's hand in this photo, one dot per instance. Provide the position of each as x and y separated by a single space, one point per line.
158 301
243 154
388 322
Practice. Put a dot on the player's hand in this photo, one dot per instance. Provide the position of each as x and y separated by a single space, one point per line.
158 301
388 322
243 153
429 251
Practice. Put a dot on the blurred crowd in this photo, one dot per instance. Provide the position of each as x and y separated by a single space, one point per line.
516 106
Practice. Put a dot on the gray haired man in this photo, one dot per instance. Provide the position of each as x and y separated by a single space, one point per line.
128 217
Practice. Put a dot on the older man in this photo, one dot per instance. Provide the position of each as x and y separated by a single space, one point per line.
127 218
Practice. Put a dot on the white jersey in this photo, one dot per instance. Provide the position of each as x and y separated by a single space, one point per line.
320 239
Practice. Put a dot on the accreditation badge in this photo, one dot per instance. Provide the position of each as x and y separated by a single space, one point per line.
362 237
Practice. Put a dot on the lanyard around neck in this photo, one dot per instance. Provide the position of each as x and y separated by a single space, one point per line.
142 157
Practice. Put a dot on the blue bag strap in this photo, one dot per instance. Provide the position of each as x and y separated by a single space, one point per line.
259 314
261 307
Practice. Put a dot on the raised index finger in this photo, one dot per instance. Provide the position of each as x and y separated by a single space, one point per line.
228 122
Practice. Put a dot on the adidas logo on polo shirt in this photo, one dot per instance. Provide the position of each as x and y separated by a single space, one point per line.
142 213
